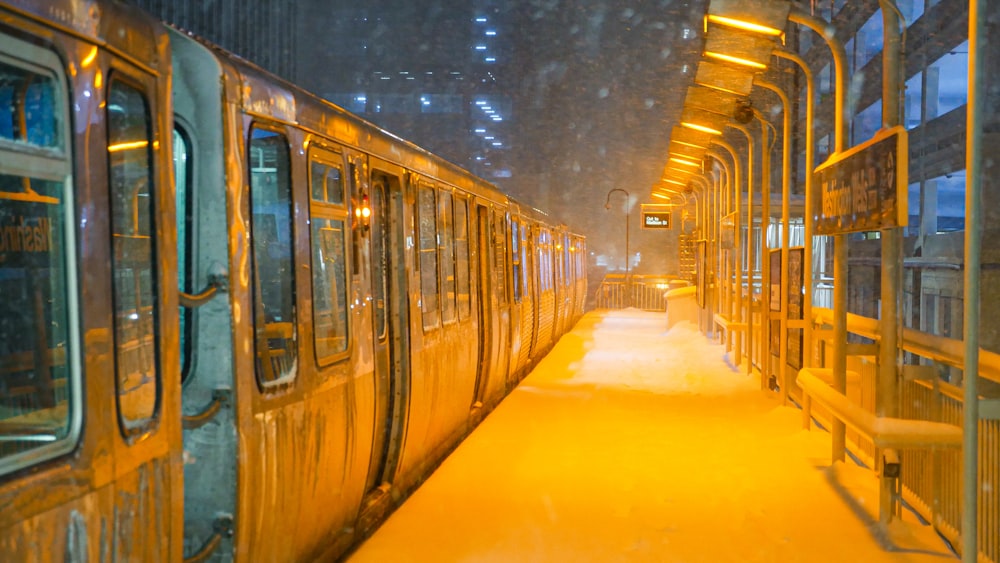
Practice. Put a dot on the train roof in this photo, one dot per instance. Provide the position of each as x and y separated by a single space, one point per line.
125 29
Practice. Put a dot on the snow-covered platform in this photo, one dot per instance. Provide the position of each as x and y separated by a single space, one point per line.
630 442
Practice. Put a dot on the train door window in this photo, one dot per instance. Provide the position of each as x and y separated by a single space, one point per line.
462 257
428 249
40 382
500 256
446 254
271 232
185 242
515 253
328 238
133 260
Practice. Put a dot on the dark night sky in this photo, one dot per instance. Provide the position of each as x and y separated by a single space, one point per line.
602 88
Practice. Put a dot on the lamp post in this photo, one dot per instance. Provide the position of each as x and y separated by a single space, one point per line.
607 205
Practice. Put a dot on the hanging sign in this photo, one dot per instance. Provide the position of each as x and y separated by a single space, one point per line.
656 216
863 188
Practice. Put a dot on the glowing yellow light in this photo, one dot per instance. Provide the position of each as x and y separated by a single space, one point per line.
366 212
744 25
686 144
661 195
98 80
737 60
701 128
685 162
118 147
669 181
89 58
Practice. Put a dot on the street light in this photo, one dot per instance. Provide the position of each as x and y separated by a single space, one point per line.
607 205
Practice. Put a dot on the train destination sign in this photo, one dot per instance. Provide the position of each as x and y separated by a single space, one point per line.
656 216
864 188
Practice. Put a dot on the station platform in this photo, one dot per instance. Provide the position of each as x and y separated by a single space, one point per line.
629 442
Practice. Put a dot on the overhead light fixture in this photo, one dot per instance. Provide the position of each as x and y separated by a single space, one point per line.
745 49
685 162
744 25
703 121
736 60
711 99
764 17
723 77
693 141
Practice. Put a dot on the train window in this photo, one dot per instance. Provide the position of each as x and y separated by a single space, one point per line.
271 231
133 259
500 256
329 256
515 254
462 257
185 247
428 249
40 395
446 252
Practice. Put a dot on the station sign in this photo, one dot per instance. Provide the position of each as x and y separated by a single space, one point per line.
863 188
656 216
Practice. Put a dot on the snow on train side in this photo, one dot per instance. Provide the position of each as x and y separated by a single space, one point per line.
237 319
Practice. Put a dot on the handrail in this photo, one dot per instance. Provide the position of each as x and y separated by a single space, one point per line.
884 432
941 349
220 397
222 527
216 284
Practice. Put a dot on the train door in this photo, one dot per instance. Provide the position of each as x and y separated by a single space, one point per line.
206 320
494 305
389 323
484 251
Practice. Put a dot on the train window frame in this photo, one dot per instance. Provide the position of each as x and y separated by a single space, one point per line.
463 276
54 165
187 244
430 310
515 258
499 265
135 429
289 332
446 257
325 210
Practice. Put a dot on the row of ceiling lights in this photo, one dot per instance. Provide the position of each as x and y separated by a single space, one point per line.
740 36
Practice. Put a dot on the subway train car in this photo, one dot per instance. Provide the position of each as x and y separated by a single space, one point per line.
237 321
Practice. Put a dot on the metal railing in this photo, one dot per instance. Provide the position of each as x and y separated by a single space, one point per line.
639 291
931 479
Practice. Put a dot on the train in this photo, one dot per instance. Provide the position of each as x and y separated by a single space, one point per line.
237 322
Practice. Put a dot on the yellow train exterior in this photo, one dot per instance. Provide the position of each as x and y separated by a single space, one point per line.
236 321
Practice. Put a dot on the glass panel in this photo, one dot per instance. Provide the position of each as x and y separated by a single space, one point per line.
133 259
329 260
380 254
27 102
329 287
275 331
39 376
515 251
446 252
327 183
462 256
500 256
428 249
185 274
